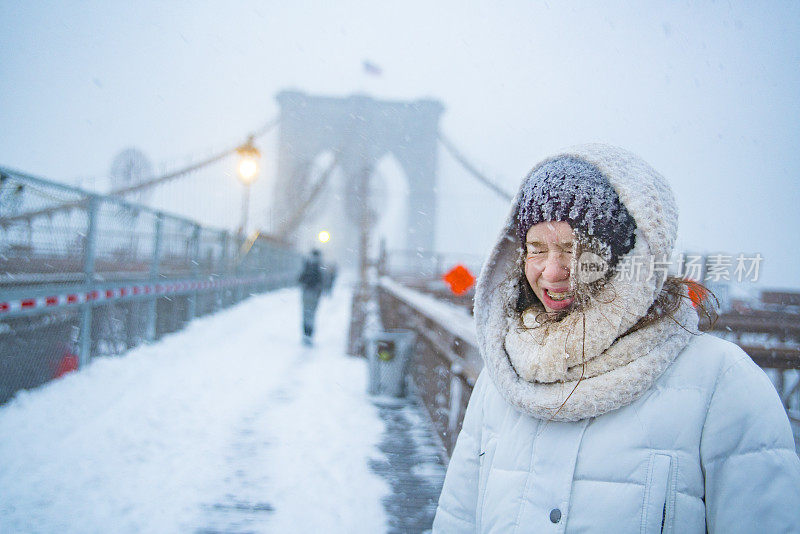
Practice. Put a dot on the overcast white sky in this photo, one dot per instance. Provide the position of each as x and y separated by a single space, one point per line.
707 92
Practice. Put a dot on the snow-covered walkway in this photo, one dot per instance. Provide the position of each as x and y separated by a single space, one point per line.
228 426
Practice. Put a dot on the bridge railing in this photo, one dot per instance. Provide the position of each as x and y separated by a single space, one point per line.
447 360
424 266
84 275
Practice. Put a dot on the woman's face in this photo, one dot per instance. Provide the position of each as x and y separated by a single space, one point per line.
547 263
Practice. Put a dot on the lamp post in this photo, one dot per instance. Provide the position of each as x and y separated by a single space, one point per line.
248 172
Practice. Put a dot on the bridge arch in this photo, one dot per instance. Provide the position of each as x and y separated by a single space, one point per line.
360 131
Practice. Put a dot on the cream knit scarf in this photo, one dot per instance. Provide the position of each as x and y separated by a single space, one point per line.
554 357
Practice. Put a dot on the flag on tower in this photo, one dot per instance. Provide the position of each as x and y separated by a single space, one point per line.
371 68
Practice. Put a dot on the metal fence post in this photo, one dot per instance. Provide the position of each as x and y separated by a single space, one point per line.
236 268
191 311
154 267
454 409
263 259
242 290
85 336
223 270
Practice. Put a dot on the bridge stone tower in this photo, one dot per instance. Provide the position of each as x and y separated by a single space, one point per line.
359 131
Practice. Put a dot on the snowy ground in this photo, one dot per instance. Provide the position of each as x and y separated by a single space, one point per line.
230 425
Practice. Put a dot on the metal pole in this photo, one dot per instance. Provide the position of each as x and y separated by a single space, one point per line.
358 314
245 208
240 292
454 408
85 347
191 310
154 266
223 270
382 259
237 266
780 385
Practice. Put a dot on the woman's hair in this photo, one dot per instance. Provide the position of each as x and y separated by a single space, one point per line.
669 300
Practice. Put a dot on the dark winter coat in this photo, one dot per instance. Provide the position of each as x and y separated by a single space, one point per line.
311 277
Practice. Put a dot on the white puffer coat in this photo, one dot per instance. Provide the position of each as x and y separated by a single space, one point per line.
686 435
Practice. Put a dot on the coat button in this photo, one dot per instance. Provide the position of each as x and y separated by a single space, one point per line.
555 515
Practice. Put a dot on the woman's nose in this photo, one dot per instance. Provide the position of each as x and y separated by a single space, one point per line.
556 268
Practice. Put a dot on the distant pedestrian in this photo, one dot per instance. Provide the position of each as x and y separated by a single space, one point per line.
311 282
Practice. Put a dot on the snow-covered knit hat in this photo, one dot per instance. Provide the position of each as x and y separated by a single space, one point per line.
575 191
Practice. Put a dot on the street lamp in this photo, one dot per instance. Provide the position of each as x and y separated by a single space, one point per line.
247 169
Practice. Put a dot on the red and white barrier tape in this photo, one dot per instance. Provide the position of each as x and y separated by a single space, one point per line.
117 293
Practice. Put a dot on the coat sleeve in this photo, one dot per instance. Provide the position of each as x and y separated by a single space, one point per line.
458 501
752 472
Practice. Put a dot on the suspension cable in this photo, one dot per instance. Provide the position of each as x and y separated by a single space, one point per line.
459 157
191 168
172 175
142 185
269 125
291 224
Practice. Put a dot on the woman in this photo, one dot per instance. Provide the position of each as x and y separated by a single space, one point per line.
601 408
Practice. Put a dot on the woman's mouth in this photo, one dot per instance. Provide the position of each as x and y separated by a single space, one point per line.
557 300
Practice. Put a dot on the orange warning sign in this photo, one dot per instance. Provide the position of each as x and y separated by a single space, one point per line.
459 279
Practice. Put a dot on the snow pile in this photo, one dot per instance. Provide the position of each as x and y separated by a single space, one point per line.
228 424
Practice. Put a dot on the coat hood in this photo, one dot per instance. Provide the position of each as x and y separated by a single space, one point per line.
538 369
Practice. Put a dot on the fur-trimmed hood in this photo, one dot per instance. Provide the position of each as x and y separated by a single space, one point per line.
537 369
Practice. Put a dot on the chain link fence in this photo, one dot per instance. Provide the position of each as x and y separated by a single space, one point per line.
84 275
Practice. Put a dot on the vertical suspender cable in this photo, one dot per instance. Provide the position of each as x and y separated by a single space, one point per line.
472 170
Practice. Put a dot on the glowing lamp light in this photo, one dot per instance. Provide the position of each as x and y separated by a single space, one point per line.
324 236
248 163
248 172
248 169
